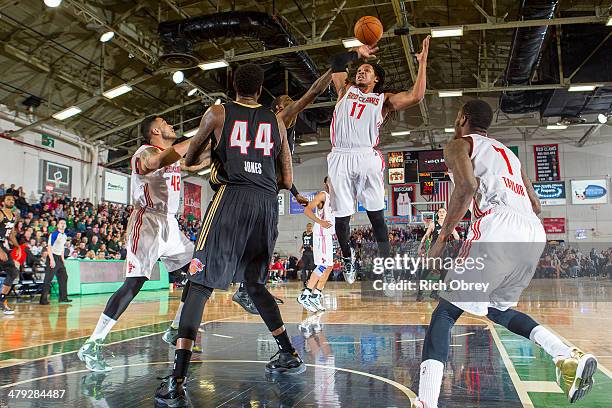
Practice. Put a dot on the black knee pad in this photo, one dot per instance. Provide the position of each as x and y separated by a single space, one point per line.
185 291
437 339
515 321
121 299
191 316
265 304
381 232
11 274
343 232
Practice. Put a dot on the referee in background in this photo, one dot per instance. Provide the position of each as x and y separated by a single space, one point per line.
55 264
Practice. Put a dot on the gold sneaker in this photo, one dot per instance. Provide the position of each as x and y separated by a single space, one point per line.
417 404
575 374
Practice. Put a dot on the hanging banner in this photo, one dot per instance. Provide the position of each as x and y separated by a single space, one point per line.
589 191
402 197
547 162
554 225
192 202
281 203
550 192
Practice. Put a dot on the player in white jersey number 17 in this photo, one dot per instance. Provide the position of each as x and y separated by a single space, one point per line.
355 167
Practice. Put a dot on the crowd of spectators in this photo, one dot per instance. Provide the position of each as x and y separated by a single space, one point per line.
94 231
561 261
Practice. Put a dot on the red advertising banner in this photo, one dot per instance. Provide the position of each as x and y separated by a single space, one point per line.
192 200
554 225
546 159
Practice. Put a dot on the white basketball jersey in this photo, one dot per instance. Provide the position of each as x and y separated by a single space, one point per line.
357 119
325 214
159 190
500 183
403 204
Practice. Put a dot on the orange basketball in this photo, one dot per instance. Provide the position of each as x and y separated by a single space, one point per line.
368 30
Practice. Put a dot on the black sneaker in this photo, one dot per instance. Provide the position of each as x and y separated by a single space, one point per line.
286 363
244 300
171 393
65 300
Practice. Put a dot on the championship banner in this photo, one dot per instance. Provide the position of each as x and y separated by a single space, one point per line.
192 202
402 196
554 225
547 162
550 192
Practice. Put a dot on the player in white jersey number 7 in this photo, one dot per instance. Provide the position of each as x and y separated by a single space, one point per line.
355 167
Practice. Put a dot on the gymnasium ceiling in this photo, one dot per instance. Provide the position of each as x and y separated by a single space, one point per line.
51 59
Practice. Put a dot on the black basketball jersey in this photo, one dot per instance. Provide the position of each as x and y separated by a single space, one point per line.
6 227
291 138
436 232
307 241
247 150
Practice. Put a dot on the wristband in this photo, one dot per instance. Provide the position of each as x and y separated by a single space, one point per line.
340 61
294 190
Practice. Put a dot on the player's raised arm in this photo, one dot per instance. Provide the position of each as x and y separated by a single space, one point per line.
311 207
406 99
283 161
533 197
457 158
212 121
340 61
317 88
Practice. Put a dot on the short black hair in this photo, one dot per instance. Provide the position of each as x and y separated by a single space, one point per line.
145 127
248 79
61 219
478 113
379 71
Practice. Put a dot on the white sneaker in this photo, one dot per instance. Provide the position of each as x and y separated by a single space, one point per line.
304 300
316 301
348 268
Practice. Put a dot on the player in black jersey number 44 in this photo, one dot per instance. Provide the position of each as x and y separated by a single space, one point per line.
239 230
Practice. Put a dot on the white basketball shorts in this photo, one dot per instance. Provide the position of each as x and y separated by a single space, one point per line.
323 250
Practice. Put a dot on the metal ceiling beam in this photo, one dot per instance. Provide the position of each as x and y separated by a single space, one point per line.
588 134
145 52
427 30
137 121
402 21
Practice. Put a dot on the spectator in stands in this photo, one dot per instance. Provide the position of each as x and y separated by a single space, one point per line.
95 244
90 255
82 250
12 190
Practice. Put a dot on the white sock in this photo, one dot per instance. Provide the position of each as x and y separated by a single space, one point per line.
430 382
177 317
316 292
550 343
104 326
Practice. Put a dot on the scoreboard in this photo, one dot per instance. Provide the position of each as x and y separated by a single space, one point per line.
417 166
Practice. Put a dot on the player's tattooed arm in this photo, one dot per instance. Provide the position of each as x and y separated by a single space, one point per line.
204 161
283 160
152 159
404 100
212 121
289 113
457 158
533 197
310 209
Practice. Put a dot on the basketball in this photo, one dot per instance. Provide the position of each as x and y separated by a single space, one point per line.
368 30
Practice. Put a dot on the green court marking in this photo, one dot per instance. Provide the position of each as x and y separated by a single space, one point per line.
533 364
67 346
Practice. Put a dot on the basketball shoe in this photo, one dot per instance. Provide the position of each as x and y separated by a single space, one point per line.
348 268
575 374
91 354
286 363
171 393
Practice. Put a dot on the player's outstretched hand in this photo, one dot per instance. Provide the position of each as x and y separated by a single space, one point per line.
365 51
422 56
303 201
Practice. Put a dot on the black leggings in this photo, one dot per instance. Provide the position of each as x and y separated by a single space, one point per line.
121 299
11 271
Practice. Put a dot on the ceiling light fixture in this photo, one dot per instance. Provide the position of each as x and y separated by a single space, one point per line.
351 42
203 172
191 133
400 133
115 92
602 118
66 113
448 94
192 92
449 130
178 77
107 36
213 65
53 3
581 88
311 143
556 127
447 32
